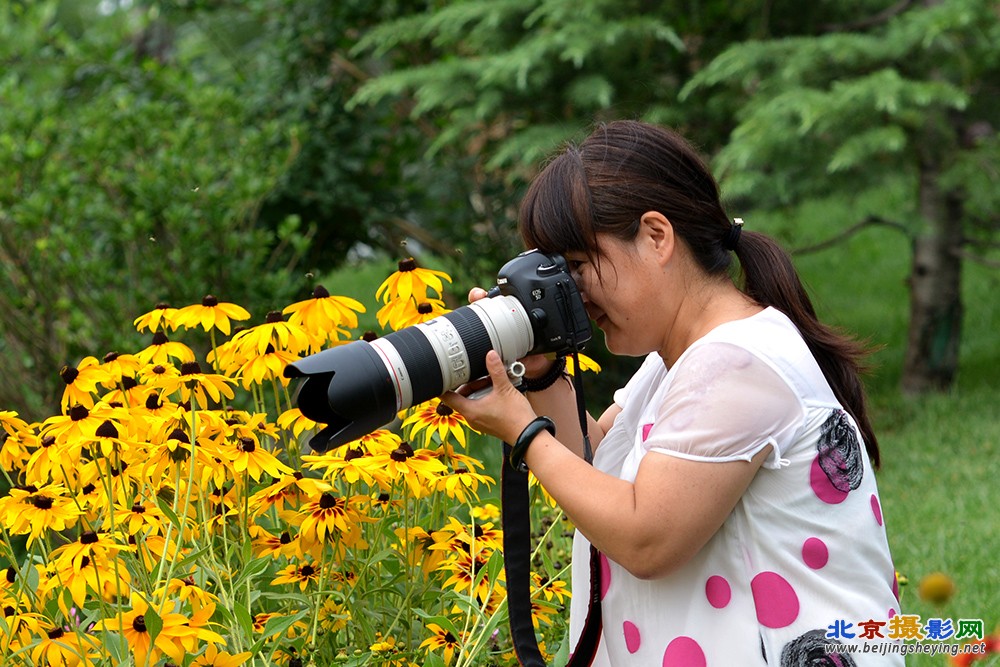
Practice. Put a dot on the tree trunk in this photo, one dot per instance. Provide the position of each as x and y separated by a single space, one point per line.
935 288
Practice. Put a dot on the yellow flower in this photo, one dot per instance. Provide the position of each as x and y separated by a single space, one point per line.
132 626
294 420
210 314
161 318
118 367
329 516
192 383
402 313
269 365
140 517
161 350
287 488
411 281
248 456
300 575
586 363
34 511
213 657
91 545
436 417
64 649
354 465
418 469
82 382
324 316
443 639
463 484
274 333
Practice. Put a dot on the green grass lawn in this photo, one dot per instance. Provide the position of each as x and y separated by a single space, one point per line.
940 479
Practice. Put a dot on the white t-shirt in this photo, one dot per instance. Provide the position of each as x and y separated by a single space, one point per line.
803 552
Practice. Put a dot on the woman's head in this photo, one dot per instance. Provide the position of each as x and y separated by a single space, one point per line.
604 186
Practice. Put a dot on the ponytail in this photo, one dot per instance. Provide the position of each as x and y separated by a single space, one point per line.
769 278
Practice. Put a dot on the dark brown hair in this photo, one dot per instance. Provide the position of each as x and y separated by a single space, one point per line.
626 168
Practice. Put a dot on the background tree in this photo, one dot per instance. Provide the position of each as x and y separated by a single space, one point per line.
884 106
128 180
894 114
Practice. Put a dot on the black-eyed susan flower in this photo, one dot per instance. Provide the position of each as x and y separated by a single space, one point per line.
99 576
333 616
131 625
411 281
161 350
401 313
464 579
185 590
485 512
434 417
90 545
11 423
472 538
161 318
293 420
213 657
287 490
446 640
60 648
586 364
329 516
325 317
298 575
140 517
82 383
551 589
192 383
417 468
269 365
462 484
119 366
353 465
36 511
246 455
266 543
211 314
275 333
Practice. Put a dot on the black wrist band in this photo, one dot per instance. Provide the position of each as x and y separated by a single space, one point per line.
529 433
547 379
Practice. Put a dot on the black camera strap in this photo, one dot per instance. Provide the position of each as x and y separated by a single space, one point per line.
516 520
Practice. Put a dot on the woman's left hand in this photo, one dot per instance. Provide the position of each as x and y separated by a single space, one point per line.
503 412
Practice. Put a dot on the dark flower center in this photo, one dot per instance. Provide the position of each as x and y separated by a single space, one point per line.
78 412
383 497
353 453
246 445
11 574
461 471
401 453
111 356
179 435
106 430
443 410
320 292
425 308
88 489
327 501
153 402
298 474
55 633
138 509
190 368
269 350
69 374
129 383
159 338
448 637
408 264
162 306
88 537
48 441
295 662
285 538
8 611
209 301
159 369
369 336
42 502
139 623
273 316
307 571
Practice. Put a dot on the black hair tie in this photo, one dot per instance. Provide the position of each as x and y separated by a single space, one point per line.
733 235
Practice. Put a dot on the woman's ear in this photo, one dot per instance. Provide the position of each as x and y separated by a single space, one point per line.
657 235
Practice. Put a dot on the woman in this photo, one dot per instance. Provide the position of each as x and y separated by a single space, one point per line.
732 492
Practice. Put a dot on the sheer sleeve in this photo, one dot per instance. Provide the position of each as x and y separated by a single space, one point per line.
725 403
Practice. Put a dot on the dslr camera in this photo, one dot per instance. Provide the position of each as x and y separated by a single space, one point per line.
356 388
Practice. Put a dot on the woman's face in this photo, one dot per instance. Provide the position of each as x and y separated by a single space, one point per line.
621 298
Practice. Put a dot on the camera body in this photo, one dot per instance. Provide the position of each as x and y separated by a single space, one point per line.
356 388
